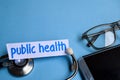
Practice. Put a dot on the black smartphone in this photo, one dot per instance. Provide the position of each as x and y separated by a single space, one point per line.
101 65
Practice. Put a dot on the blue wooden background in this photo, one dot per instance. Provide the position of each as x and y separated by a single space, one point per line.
38 20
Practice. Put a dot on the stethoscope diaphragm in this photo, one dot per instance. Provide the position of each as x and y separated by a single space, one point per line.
21 67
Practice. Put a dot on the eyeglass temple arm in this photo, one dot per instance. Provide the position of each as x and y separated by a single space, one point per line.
102 32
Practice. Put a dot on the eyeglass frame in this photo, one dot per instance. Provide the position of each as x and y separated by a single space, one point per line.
114 26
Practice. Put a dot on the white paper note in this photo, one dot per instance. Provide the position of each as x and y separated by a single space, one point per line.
37 49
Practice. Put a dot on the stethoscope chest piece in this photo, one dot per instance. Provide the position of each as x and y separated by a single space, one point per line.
21 67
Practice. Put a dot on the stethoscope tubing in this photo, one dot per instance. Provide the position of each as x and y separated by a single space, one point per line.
75 65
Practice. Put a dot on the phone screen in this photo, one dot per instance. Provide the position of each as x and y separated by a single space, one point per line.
104 65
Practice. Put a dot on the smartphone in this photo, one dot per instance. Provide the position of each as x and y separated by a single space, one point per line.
101 65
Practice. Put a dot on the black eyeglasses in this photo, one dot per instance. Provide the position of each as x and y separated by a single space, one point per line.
102 36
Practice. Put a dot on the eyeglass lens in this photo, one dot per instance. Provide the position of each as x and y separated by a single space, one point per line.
101 36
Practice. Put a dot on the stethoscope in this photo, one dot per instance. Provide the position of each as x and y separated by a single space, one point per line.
23 67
